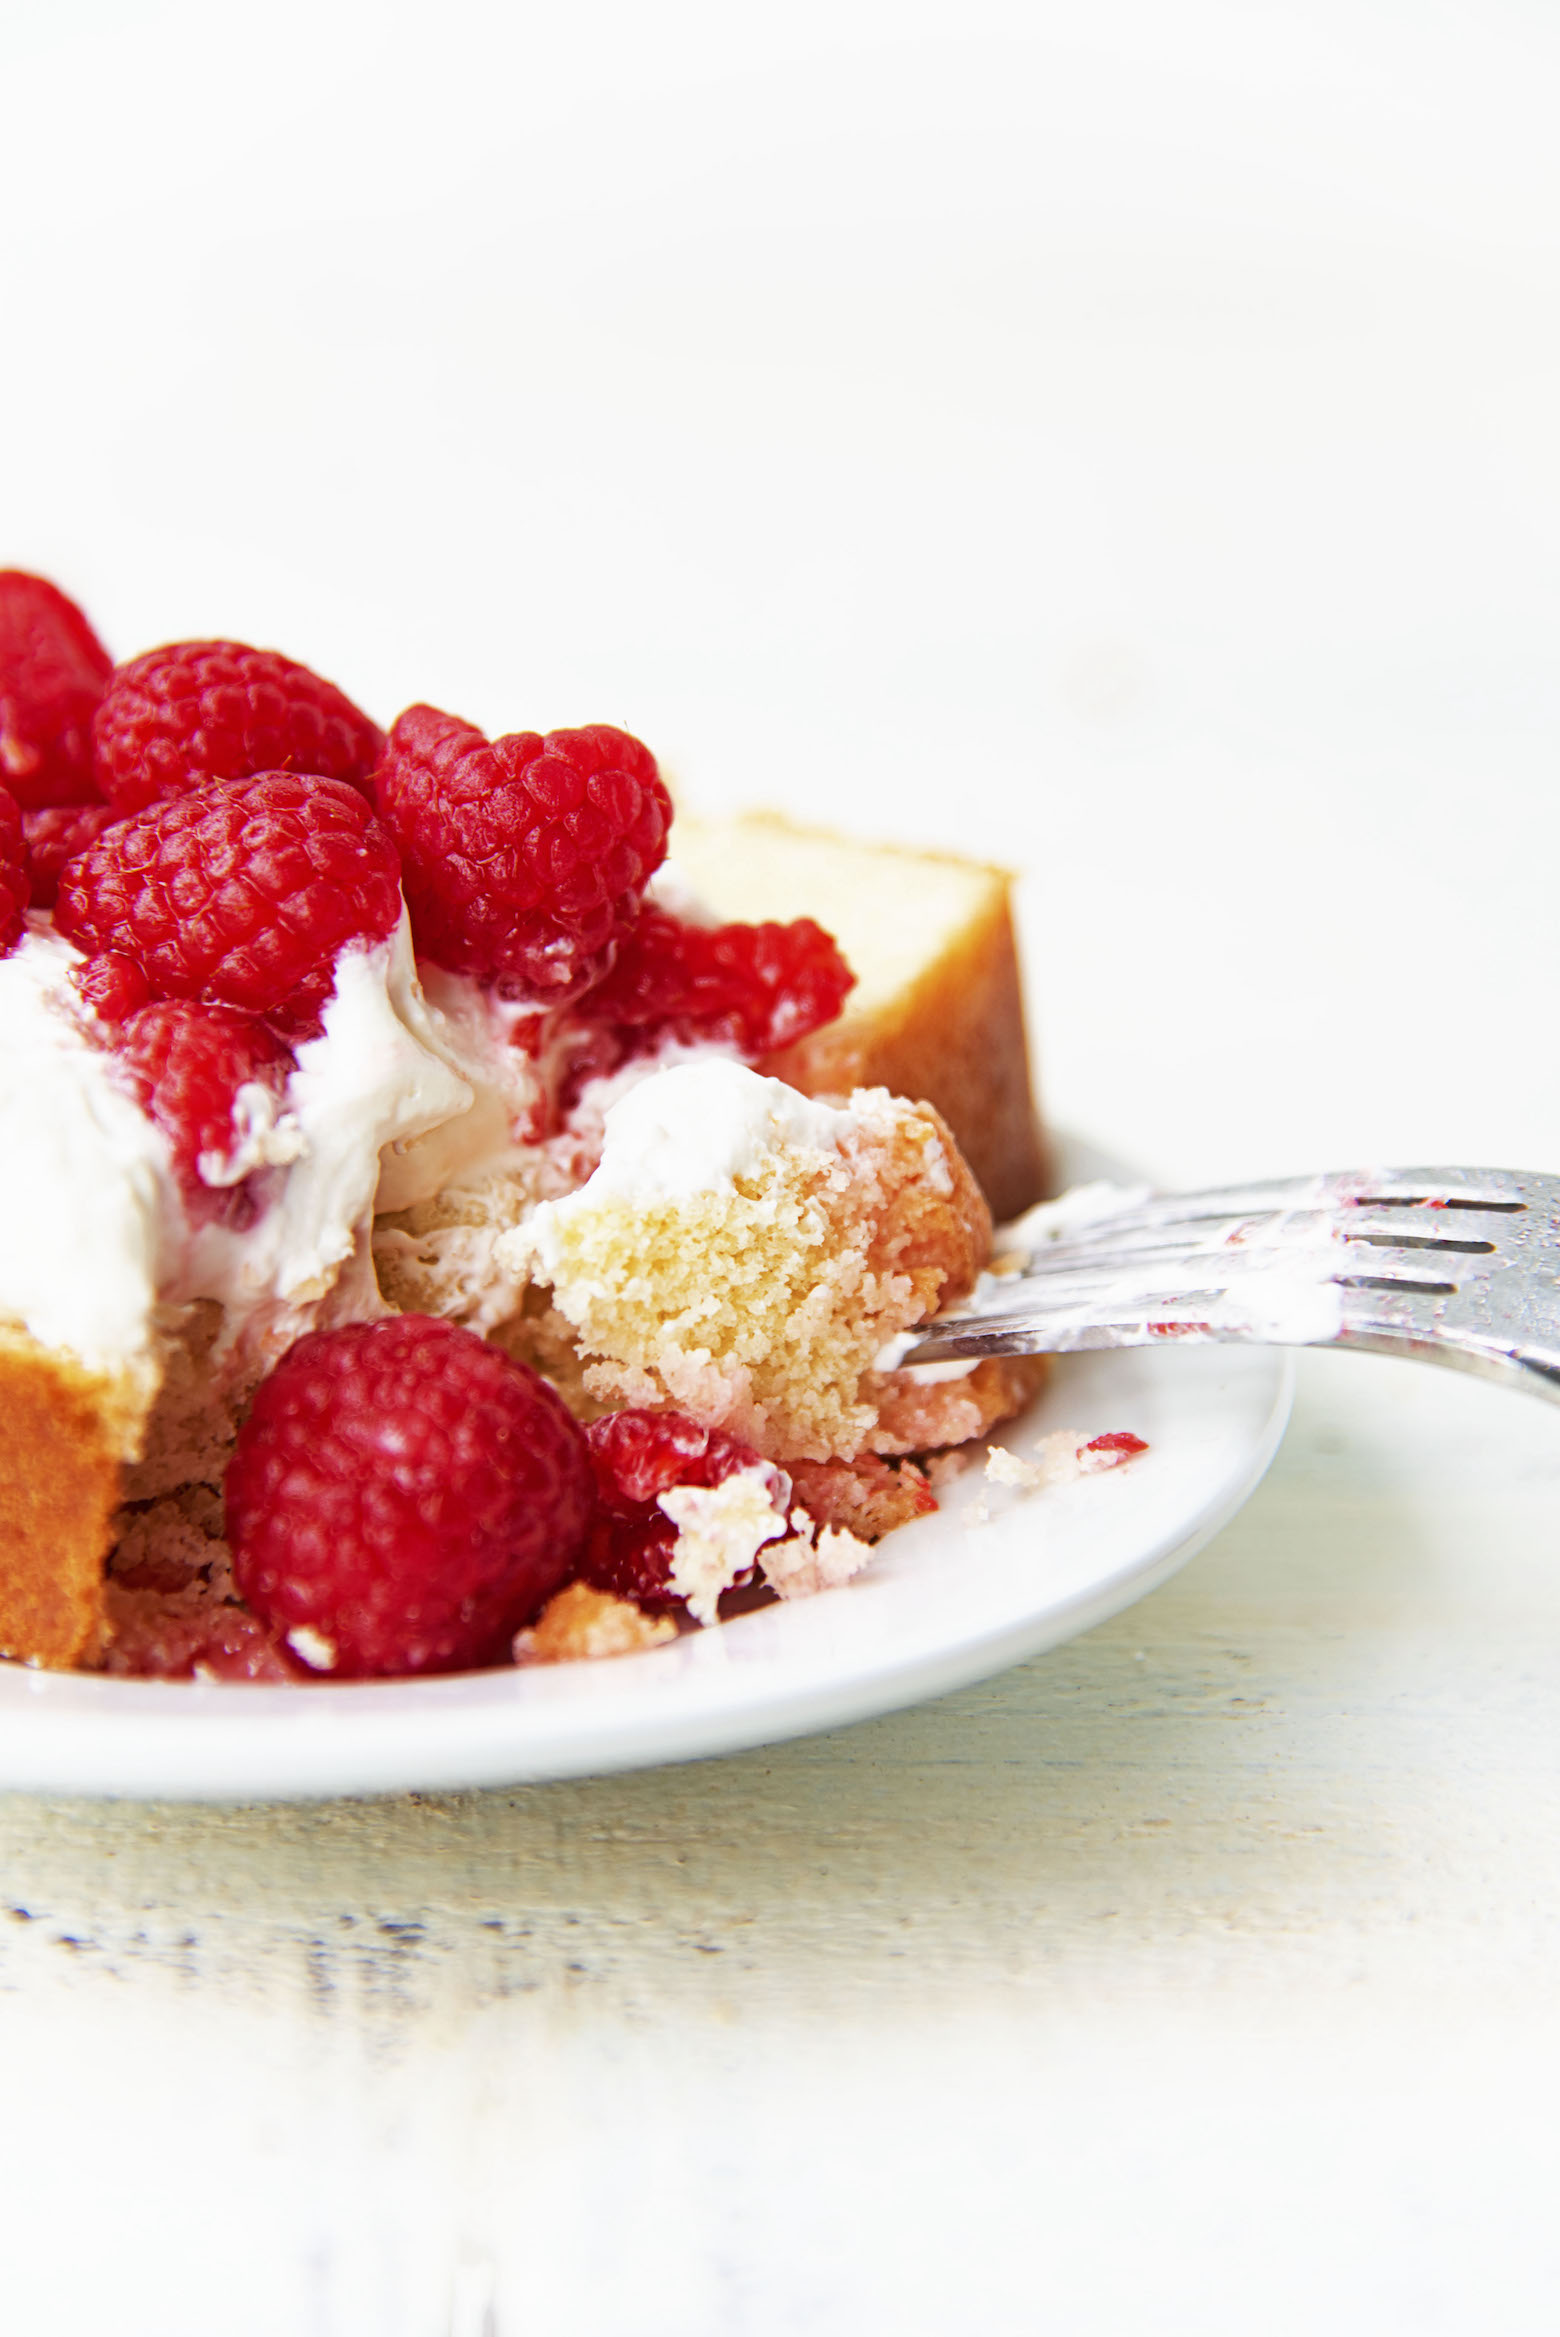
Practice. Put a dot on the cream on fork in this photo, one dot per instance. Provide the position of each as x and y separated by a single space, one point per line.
1453 1265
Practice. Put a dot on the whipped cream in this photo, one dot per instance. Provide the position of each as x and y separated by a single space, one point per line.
587 1122
473 1034
699 1126
97 1236
86 1181
369 1083
720 1531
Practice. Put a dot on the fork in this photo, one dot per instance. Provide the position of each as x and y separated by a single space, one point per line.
1453 1265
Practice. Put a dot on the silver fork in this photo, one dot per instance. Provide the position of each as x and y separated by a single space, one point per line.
1457 1266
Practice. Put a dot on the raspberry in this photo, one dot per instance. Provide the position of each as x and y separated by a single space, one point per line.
242 895
202 710
524 857
13 873
757 987
113 986
187 1065
53 672
56 834
404 1497
635 1456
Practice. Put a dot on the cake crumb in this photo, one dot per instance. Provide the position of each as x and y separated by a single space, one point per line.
1061 1458
813 1558
580 1622
869 1494
1005 1468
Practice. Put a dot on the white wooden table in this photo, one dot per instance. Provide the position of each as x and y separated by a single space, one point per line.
1120 442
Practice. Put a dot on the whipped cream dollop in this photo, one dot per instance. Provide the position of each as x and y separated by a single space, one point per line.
86 1182
696 1127
372 1081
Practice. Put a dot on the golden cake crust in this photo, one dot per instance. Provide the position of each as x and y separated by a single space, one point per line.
579 1624
69 1433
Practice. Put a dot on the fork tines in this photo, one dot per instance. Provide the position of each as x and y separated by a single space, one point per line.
1297 1261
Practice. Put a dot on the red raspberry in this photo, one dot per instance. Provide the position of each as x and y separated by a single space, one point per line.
243 895
53 671
113 986
524 858
56 835
404 1497
637 1455
187 1064
757 987
13 873
201 710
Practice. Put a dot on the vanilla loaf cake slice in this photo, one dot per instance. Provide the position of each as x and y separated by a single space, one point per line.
937 1013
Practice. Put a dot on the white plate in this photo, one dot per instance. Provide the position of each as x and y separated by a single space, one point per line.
946 1601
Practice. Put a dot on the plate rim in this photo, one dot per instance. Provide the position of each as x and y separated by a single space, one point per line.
142 1750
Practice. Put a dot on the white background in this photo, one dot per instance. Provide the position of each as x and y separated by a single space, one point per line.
1118 440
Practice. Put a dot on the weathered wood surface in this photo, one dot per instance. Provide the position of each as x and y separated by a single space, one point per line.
1222 1938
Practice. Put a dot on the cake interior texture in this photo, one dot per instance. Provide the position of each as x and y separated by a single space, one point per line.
760 1303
